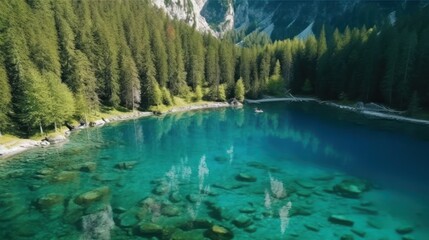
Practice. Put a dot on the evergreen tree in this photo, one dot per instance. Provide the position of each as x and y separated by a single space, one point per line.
239 90
321 45
275 85
5 99
227 65
61 99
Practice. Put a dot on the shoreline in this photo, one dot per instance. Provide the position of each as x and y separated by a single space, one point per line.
20 145
381 114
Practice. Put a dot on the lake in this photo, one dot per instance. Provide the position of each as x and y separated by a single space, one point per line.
295 171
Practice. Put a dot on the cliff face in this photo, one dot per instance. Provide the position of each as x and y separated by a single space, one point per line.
205 15
282 19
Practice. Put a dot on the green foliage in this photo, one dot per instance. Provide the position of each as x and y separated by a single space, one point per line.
63 59
198 93
166 97
62 105
239 90
5 99
275 86
221 96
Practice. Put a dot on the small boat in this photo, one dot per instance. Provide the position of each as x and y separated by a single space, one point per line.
257 110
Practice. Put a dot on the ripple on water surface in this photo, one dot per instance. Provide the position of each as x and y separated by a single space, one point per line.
295 171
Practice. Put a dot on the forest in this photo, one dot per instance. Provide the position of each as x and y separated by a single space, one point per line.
62 60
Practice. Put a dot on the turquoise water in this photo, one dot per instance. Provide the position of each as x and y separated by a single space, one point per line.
222 174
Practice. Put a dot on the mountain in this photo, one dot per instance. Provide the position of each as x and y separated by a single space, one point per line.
282 19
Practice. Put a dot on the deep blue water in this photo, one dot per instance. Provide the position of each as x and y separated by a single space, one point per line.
201 153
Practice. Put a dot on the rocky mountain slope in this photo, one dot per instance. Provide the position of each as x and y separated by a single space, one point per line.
284 18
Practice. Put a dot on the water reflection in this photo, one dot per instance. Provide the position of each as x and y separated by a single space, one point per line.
229 170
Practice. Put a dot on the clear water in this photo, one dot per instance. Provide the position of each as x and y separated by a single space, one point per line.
186 165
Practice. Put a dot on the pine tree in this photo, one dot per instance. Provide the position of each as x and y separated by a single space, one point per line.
275 85
129 82
61 99
321 45
239 90
227 64
264 68
5 99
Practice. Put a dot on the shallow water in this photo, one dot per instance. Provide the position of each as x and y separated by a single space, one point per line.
279 174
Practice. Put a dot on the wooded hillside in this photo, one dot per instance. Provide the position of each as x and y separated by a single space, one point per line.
62 60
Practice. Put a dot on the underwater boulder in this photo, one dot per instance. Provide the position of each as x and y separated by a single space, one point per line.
217 232
65 176
49 200
149 229
92 196
404 229
341 220
242 221
351 188
245 177
126 165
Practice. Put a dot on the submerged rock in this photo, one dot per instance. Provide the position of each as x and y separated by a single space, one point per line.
221 159
187 235
126 165
251 229
245 177
170 211
66 176
242 221
49 201
175 197
342 220
375 223
351 188
366 210
312 227
161 189
87 167
196 224
247 210
347 237
149 229
359 232
193 198
92 196
218 232
404 229
127 219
